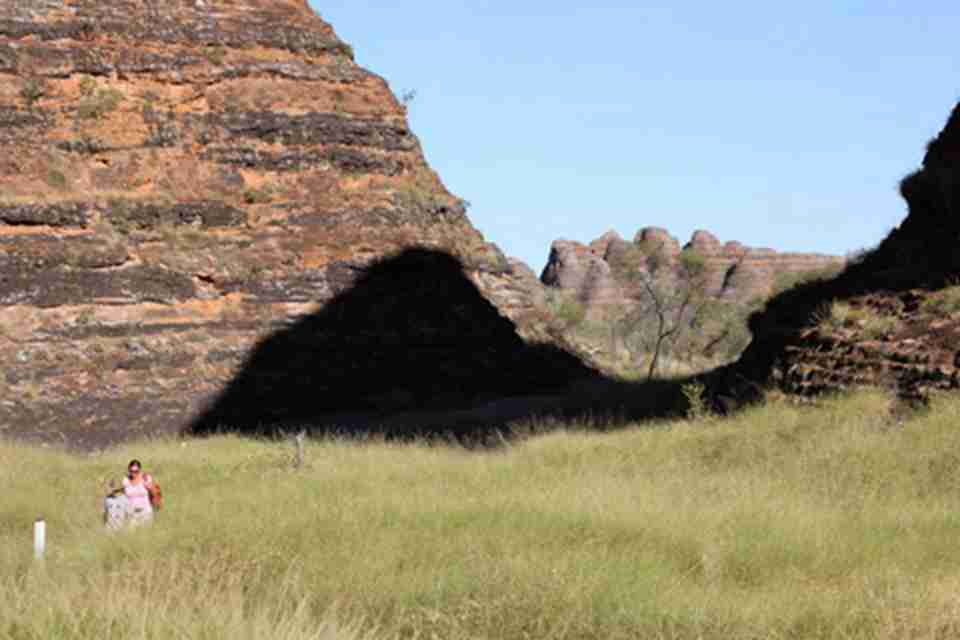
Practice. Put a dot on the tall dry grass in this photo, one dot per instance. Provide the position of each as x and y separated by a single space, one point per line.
785 522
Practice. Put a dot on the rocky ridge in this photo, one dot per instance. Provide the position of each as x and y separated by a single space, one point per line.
890 319
182 179
734 272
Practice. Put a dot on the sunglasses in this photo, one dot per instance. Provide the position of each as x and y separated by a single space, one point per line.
134 470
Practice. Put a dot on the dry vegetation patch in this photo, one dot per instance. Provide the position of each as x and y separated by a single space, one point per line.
944 302
785 522
860 318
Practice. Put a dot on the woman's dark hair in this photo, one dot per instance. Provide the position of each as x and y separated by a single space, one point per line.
135 462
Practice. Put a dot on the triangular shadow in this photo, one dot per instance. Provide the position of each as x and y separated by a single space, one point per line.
413 349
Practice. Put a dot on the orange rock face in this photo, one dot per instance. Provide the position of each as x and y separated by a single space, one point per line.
179 179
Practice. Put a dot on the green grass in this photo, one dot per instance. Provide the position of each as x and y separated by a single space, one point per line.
944 302
57 179
99 102
863 319
785 522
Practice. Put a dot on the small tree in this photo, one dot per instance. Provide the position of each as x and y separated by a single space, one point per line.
667 303
665 310
407 97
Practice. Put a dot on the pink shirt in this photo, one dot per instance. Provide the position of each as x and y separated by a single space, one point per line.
137 494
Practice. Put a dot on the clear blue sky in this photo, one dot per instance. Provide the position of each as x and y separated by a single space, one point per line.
779 124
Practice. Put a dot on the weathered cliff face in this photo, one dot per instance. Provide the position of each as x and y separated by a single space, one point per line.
595 273
891 319
180 179
583 270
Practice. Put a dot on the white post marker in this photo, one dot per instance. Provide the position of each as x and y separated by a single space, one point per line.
301 454
39 538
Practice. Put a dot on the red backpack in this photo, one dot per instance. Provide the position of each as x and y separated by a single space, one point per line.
153 488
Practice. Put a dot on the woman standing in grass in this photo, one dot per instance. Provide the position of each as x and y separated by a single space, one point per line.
143 494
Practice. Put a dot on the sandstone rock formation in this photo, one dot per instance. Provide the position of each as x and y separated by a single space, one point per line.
734 272
183 178
891 319
575 267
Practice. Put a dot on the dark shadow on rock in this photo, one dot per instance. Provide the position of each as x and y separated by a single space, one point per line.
781 325
918 255
414 349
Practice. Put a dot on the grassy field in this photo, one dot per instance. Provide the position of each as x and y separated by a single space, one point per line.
785 522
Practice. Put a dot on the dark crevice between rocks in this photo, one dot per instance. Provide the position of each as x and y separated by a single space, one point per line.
403 212
313 128
130 214
88 331
27 282
70 214
76 253
90 146
228 33
12 118
343 159
63 62
413 349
